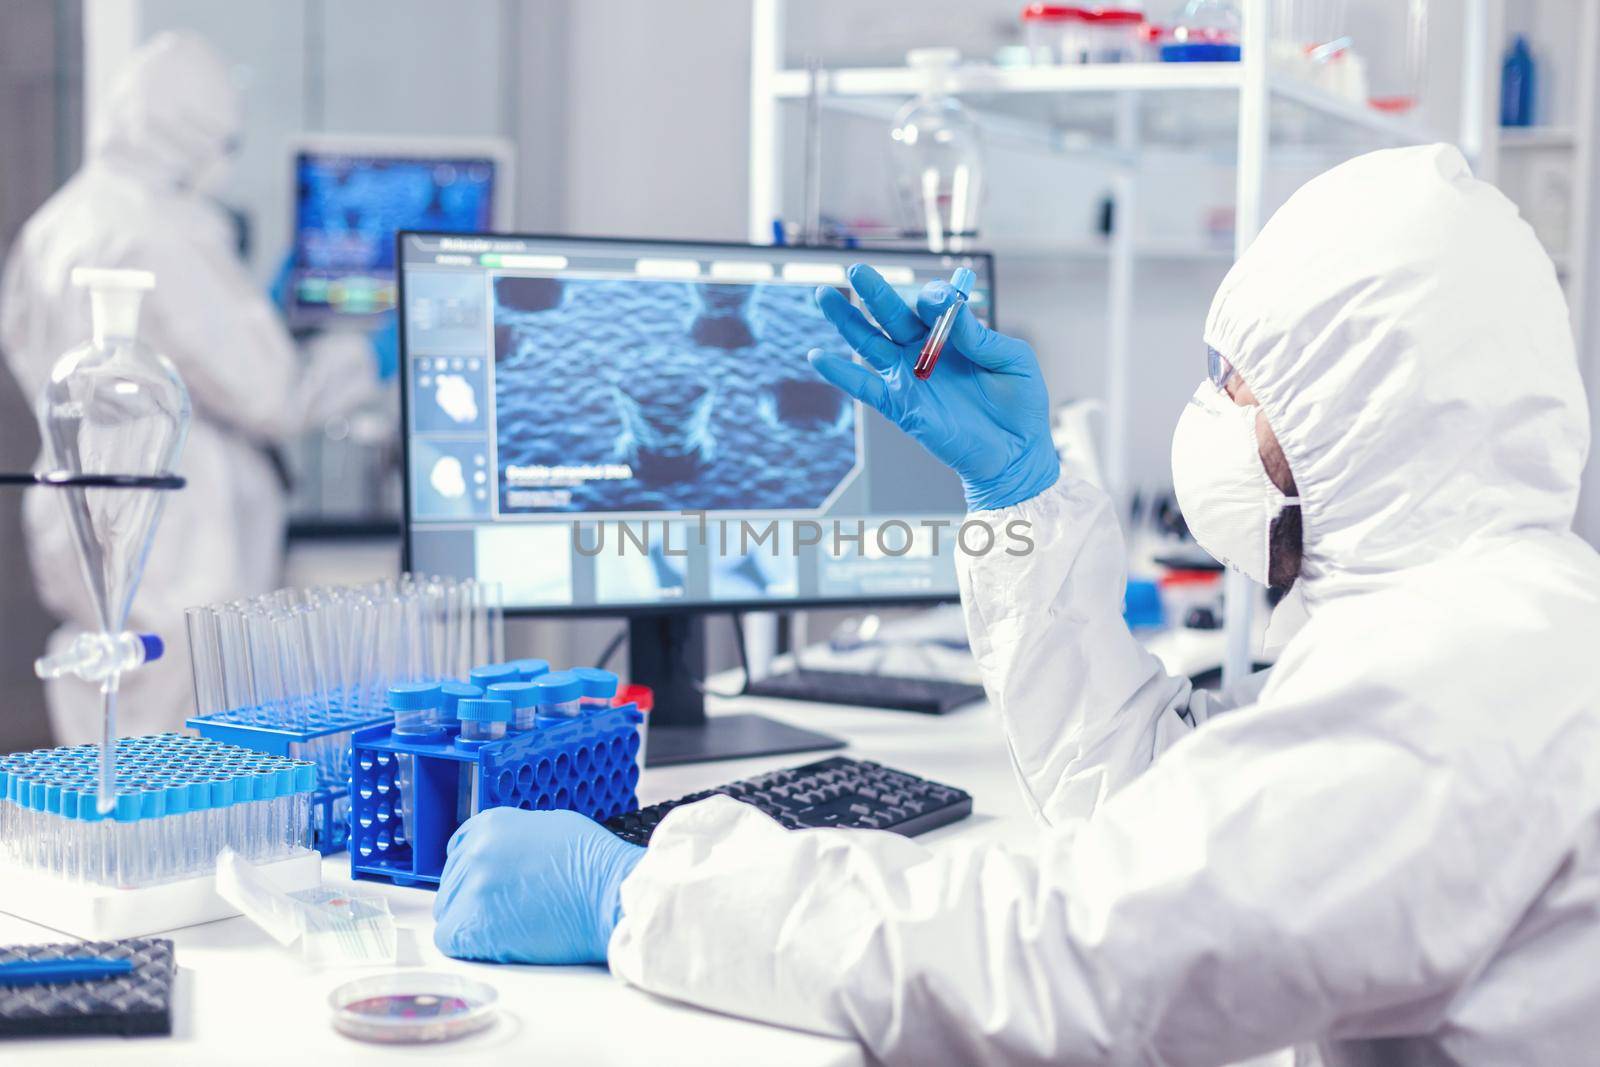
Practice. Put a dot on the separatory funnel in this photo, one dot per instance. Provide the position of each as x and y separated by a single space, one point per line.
113 417
937 155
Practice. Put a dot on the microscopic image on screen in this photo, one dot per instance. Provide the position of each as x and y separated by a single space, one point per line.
348 208
631 395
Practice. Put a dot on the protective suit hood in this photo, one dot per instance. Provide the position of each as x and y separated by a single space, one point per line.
1408 340
172 114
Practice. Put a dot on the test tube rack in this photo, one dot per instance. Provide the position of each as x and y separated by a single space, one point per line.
323 739
147 864
587 764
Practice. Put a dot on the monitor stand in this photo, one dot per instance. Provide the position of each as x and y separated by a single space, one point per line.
668 654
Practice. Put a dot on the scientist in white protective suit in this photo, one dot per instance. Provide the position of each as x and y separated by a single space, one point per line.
1388 844
159 148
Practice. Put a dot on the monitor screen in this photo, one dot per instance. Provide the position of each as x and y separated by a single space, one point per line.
349 204
610 426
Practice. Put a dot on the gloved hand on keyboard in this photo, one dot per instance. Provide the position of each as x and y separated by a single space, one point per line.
984 411
531 887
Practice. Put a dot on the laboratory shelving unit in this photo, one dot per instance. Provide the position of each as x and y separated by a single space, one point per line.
1571 141
1025 102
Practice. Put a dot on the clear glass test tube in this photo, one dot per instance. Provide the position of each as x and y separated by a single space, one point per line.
205 660
238 682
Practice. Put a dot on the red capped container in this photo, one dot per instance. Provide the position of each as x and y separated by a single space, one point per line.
1056 33
1114 34
645 698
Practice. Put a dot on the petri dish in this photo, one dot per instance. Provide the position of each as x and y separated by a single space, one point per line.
412 1007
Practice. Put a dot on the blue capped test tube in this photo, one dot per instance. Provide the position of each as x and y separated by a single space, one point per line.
559 694
523 697
416 708
482 721
529 669
599 687
492 673
451 694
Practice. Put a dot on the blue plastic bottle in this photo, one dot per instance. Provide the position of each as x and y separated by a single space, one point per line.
1517 84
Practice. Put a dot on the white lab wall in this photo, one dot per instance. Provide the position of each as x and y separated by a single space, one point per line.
656 116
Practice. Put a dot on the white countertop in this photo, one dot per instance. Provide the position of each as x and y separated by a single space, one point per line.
241 998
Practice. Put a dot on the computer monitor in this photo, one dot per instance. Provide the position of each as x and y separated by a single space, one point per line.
623 427
353 194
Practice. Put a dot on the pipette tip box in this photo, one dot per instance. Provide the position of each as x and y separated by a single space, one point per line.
586 764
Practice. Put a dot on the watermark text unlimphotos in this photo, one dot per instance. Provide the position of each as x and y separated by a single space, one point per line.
673 534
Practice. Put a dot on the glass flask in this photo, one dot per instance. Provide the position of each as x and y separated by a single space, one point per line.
1392 36
111 406
938 158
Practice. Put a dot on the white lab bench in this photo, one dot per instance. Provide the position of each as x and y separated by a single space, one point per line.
243 999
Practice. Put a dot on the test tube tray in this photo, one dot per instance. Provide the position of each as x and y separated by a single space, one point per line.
329 824
587 764
99 912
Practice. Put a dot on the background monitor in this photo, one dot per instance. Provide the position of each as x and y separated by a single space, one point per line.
353 194
631 428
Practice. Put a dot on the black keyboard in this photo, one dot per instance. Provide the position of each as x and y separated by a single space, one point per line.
837 792
931 696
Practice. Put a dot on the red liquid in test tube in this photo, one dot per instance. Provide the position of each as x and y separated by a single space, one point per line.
961 281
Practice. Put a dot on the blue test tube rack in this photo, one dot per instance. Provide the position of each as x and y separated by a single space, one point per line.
326 744
587 764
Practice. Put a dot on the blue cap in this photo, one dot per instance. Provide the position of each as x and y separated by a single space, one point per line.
305 777
963 280
484 677
558 687
452 693
520 694
153 647
596 682
484 710
529 669
414 696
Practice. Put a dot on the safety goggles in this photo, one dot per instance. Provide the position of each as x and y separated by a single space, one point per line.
1219 370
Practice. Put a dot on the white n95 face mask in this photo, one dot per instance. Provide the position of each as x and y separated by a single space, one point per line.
1222 487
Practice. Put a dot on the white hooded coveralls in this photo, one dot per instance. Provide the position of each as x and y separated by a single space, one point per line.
161 140
1390 844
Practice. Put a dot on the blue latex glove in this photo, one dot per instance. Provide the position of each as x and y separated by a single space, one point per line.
279 291
984 411
531 887
386 346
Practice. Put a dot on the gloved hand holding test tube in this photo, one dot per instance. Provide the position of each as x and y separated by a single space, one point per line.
986 414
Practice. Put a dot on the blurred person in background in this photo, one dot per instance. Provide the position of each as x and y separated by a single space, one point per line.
159 151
